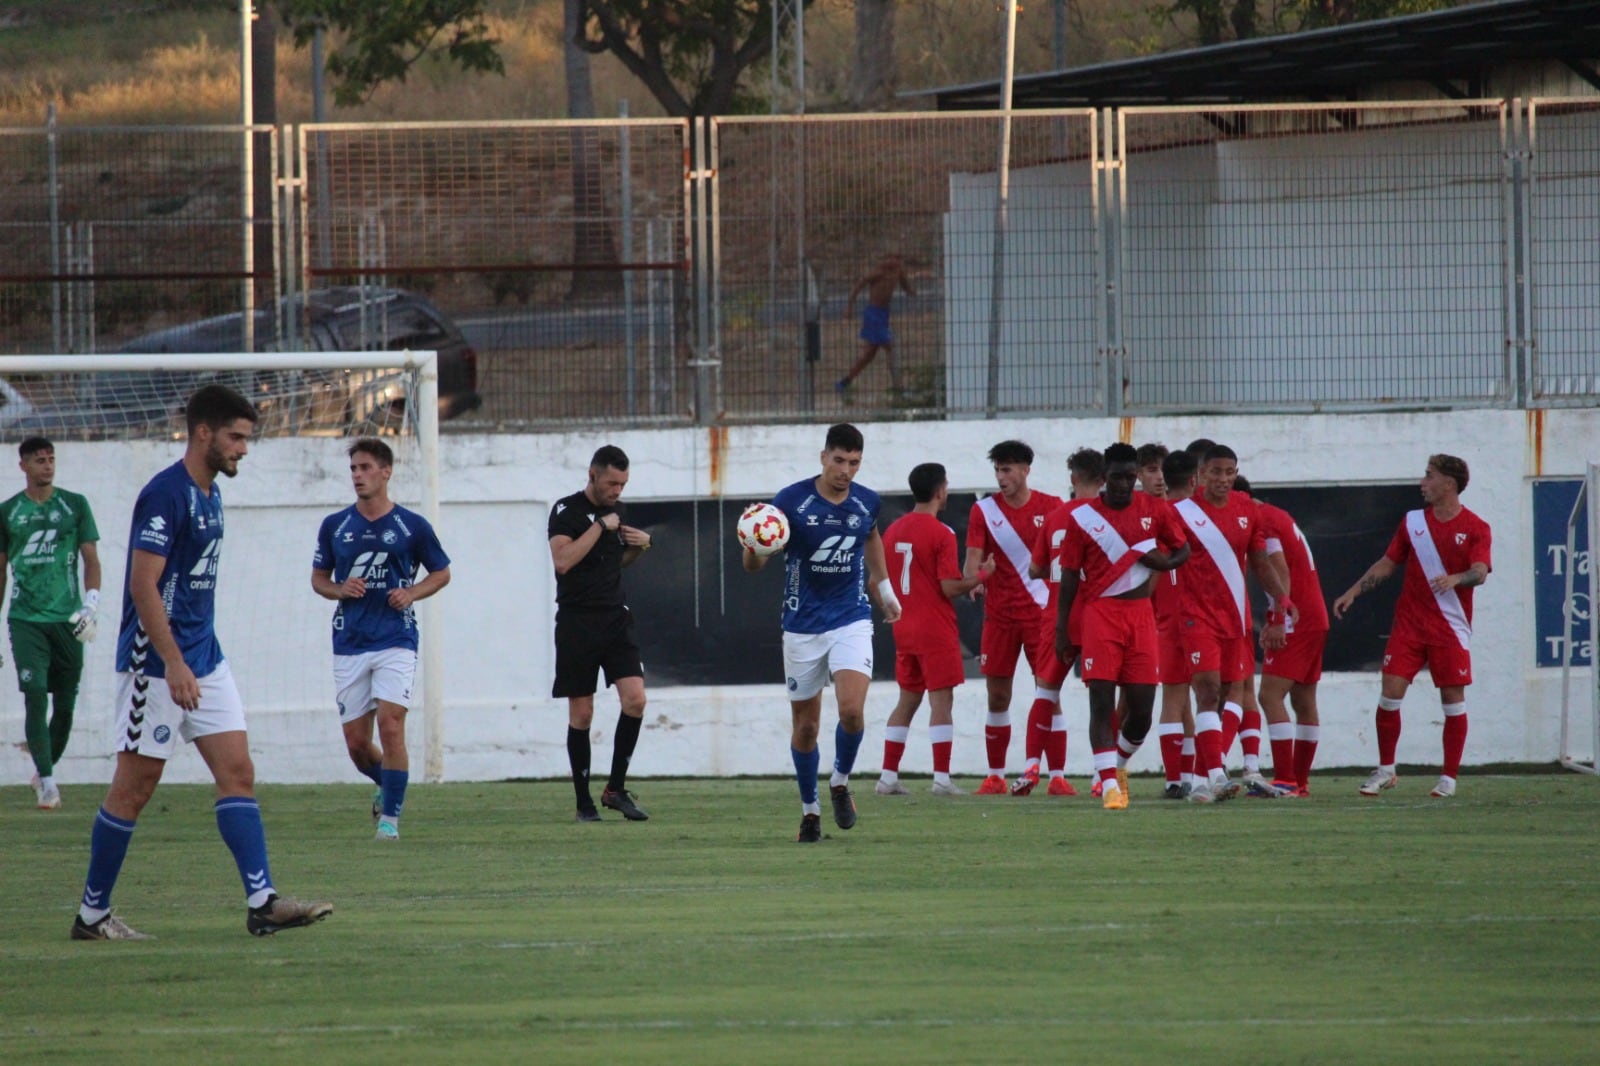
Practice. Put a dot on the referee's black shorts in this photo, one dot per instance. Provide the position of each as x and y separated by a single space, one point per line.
589 641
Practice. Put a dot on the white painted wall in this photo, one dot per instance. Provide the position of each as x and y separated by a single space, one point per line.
496 618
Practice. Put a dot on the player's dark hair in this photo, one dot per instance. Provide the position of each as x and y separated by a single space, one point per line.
843 437
1088 464
925 480
1219 451
1452 467
1121 453
215 406
609 455
30 445
1241 484
1199 446
1153 452
1011 451
374 447
1178 468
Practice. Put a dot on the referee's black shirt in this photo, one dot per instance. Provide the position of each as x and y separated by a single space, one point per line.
596 582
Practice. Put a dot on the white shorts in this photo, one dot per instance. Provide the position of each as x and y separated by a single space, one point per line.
811 659
149 723
364 679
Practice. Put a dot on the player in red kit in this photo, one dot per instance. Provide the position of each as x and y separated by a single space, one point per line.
1293 670
1047 726
925 567
1445 551
1005 525
1224 528
1175 728
1118 543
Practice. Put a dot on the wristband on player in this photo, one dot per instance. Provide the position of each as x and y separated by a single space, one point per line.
91 599
886 594
1280 612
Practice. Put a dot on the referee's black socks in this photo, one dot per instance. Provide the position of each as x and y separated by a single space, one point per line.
622 750
578 757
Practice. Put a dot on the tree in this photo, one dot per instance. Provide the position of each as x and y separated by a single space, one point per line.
690 54
1223 20
380 42
592 240
872 77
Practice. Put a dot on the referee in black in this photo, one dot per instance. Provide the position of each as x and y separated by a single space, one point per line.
594 630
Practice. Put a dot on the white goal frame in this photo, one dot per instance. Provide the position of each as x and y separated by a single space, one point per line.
423 415
1587 504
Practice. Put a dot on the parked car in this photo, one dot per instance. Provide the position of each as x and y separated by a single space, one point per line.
339 319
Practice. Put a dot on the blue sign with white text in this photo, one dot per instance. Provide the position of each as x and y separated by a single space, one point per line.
1552 504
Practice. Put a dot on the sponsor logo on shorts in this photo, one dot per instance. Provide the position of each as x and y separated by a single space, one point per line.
1088 664
1386 659
25 675
162 734
792 684
1194 657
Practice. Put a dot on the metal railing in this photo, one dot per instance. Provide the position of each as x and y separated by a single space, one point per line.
1356 256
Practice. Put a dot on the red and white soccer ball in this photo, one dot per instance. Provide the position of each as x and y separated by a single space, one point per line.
763 529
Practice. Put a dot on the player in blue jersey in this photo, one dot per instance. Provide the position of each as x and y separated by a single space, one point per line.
367 560
168 612
833 556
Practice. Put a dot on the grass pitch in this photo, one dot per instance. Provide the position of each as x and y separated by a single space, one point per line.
1339 929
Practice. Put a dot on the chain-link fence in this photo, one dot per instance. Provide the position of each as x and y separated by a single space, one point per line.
1314 257
848 238
1352 256
1562 251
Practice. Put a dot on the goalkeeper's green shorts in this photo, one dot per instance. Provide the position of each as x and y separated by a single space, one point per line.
47 656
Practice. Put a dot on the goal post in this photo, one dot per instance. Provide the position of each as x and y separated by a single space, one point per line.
1581 621
139 397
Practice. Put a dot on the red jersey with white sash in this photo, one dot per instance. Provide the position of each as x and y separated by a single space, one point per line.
1009 534
1047 553
1284 535
1428 548
1106 543
921 552
1212 587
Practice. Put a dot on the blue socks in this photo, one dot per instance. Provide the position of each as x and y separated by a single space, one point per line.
845 746
375 771
805 773
394 791
108 845
239 822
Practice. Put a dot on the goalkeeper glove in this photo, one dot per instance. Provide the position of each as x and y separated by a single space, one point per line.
82 621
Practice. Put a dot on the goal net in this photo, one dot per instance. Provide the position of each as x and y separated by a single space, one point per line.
116 420
1581 626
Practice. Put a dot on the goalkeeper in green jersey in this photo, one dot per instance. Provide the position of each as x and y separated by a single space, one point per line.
43 530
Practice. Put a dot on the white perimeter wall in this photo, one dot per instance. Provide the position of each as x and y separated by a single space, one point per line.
496 618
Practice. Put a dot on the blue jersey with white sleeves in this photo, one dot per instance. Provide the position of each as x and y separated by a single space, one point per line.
824 566
173 518
385 553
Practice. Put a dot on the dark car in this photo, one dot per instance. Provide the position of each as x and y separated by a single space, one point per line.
340 319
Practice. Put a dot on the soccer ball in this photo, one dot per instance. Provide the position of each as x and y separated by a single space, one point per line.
763 529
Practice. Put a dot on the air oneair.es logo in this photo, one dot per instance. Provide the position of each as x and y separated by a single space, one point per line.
371 567
40 549
835 551
203 574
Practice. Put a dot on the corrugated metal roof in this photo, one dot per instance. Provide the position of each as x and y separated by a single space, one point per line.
1454 50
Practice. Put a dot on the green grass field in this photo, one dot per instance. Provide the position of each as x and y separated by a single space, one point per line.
1338 929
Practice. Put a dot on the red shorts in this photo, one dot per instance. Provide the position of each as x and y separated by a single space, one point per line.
929 671
1002 639
1176 667
1233 658
1050 671
1119 642
1449 664
1299 661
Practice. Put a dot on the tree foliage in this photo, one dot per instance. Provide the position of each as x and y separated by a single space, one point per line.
690 54
1236 20
377 41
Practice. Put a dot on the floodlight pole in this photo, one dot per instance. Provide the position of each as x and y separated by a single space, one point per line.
247 189
1002 195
